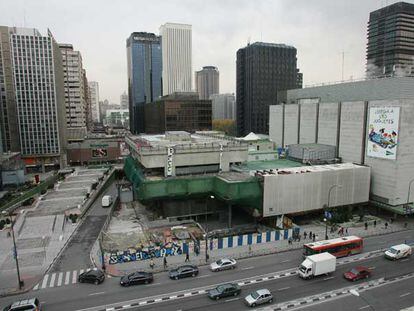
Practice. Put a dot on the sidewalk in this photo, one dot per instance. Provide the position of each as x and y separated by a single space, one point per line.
41 233
243 251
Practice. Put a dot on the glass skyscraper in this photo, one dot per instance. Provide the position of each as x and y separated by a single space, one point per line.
144 75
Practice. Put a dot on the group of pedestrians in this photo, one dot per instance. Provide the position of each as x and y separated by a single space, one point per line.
312 236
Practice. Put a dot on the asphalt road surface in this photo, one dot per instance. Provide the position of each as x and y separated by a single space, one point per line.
76 254
287 288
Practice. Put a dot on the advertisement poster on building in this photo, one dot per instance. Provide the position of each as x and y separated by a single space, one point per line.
99 153
383 130
169 167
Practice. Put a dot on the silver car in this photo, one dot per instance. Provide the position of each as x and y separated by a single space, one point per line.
258 297
223 264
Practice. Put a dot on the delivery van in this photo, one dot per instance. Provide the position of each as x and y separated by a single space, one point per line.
398 251
106 201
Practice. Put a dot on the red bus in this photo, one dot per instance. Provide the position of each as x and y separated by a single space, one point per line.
339 247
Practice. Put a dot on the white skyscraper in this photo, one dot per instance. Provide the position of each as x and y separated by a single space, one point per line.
94 93
176 43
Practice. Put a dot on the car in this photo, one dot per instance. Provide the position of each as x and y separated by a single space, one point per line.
94 276
224 290
136 278
223 264
398 251
31 304
107 200
258 297
183 272
357 273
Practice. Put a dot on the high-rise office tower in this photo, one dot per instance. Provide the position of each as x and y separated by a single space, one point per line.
176 43
263 70
33 111
87 95
223 106
124 101
390 48
207 82
94 99
75 99
144 75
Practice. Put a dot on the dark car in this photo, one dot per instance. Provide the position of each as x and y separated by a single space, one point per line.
92 276
136 278
183 272
357 274
224 290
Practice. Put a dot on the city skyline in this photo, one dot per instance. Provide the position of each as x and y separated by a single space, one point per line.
335 27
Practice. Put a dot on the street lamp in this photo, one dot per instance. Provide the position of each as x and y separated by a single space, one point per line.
355 293
20 282
206 227
328 206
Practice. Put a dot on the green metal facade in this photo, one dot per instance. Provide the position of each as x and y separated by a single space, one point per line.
248 193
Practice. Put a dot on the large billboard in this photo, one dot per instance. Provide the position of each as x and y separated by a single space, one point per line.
99 153
383 130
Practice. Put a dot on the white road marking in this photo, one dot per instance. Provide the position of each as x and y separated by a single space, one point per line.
98 293
52 280
233 299
67 277
406 259
364 307
155 284
36 287
60 278
287 260
283 288
406 294
44 283
74 276
371 268
204 276
328 278
247 268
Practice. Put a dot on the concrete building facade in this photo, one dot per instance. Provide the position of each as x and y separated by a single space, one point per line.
390 48
176 45
94 99
223 106
207 82
75 94
124 101
39 106
144 75
369 124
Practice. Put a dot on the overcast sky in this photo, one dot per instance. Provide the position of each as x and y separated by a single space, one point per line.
320 30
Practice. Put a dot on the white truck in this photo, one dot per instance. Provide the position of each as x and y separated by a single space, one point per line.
318 264
107 201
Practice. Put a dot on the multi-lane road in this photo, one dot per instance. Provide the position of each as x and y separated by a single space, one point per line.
275 272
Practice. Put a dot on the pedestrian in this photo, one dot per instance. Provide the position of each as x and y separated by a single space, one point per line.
310 235
250 249
405 225
187 257
314 237
305 234
346 231
165 262
375 223
391 220
290 241
332 229
197 250
366 226
386 225
298 237
152 263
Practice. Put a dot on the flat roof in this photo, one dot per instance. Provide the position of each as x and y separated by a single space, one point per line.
270 164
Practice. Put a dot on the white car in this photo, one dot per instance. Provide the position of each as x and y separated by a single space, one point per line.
223 264
258 297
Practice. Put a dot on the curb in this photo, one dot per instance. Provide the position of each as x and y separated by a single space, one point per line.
245 255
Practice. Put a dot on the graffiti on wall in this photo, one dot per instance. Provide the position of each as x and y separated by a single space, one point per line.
135 254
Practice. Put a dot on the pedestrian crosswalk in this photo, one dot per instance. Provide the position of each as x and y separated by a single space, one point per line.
58 279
